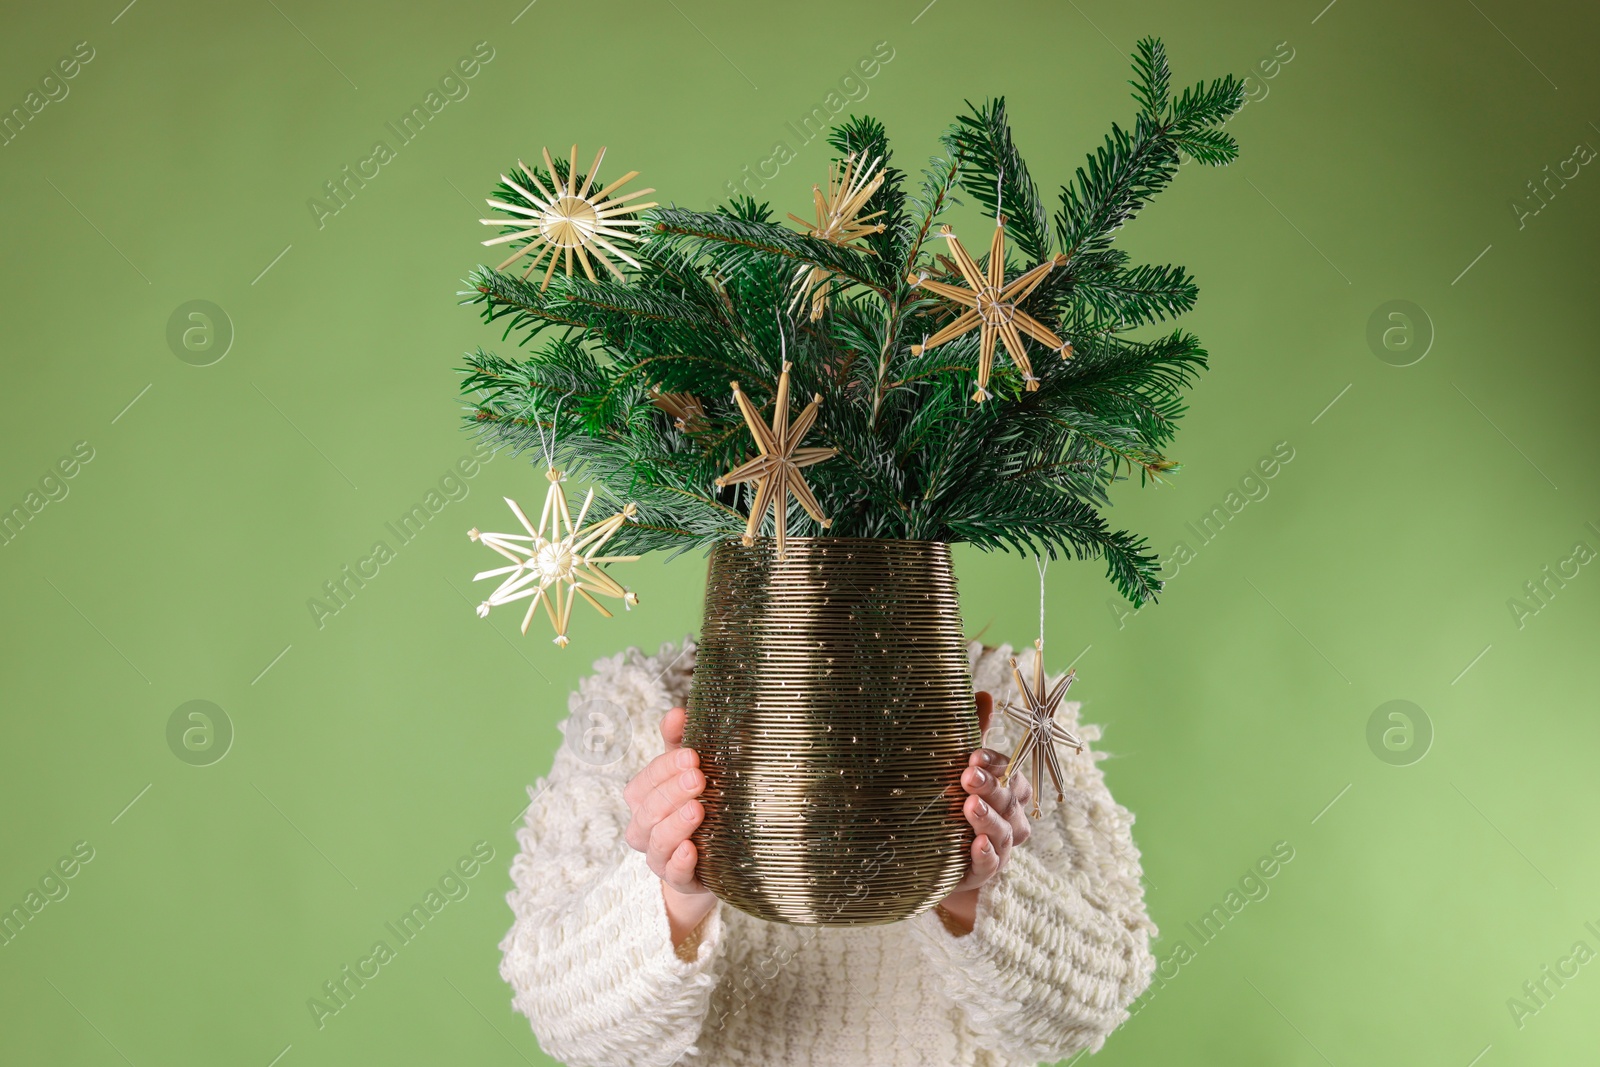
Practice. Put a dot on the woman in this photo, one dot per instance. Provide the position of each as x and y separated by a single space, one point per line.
620 957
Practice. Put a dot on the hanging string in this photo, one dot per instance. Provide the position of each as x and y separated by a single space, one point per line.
1043 565
548 448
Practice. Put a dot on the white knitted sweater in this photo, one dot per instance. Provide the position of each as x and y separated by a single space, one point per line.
1060 946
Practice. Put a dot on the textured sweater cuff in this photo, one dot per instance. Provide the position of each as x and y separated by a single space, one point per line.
605 981
638 924
1045 971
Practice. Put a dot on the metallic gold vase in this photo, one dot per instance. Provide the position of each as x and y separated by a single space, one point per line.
832 710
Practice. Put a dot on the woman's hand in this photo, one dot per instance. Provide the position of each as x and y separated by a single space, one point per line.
665 812
999 819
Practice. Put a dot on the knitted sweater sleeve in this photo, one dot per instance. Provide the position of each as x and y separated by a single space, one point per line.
1061 943
590 958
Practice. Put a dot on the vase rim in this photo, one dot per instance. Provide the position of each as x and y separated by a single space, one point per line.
734 542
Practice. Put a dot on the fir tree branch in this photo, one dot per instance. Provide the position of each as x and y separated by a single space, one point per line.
771 239
707 301
1152 80
1121 177
1052 524
995 175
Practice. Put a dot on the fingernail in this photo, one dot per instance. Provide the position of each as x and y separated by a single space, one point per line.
685 757
983 778
982 808
688 779
986 756
686 813
988 847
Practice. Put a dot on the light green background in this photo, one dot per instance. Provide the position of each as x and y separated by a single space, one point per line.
1381 162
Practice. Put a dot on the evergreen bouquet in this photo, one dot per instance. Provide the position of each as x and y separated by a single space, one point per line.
980 387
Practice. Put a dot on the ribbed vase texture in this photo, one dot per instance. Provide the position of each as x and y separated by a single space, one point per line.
832 711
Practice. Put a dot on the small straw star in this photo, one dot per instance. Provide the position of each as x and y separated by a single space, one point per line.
776 471
992 308
1040 730
555 567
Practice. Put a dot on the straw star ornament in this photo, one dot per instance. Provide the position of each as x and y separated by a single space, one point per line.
1041 732
839 221
557 561
573 221
776 471
992 308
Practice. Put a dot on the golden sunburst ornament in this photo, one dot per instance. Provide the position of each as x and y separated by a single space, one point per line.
572 221
1041 732
555 567
776 471
992 308
839 222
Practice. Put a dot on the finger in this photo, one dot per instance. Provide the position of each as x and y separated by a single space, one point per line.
985 865
988 822
1023 787
669 833
1010 800
679 872
672 724
985 711
669 795
657 772
1021 826
982 783
657 804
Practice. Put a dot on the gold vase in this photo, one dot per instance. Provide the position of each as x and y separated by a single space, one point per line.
832 711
